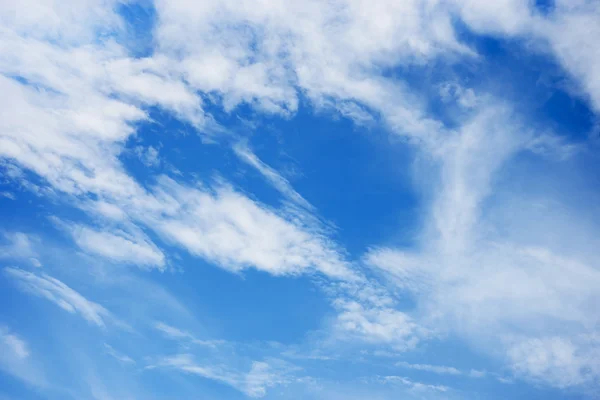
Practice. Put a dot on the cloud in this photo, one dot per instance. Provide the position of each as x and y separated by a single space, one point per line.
8 195
173 332
413 385
122 358
328 50
569 33
235 232
60 294
560 361
272 176
442 369
469 279
92 98
149 156
20 246
253 383
178 334
438 369
14 344
118 246
17 360
566 32
378 325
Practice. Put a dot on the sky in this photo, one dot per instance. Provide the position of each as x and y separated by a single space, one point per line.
319 199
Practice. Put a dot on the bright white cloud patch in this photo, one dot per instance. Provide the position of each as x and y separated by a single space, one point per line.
118 247
236 232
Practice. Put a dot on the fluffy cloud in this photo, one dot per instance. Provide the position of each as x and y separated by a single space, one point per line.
20 246
122 358
378 325
415 386
177 334
438 369
482 278
235 232
560 361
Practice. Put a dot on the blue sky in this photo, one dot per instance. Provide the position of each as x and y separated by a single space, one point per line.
340 199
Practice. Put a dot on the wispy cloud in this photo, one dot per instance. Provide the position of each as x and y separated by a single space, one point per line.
178 334
442 369
14 343
470 280
16 358
123 358
20 246
438 369
52 289
413 385
274 177
118 245
378 325
254 383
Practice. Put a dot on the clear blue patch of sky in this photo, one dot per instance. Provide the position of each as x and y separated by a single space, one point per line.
356 178
14 388
249 306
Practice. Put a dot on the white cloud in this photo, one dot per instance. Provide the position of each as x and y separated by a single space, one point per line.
475 373
416 386
8 195
378 325
47 19
60 294
149 156
118 246
266 53
236 232
438 369
178 334
20 246
254 383
16 358
478 276
261 377
14 344
91 98
570 31
123 358
560 361
405 270
173 332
